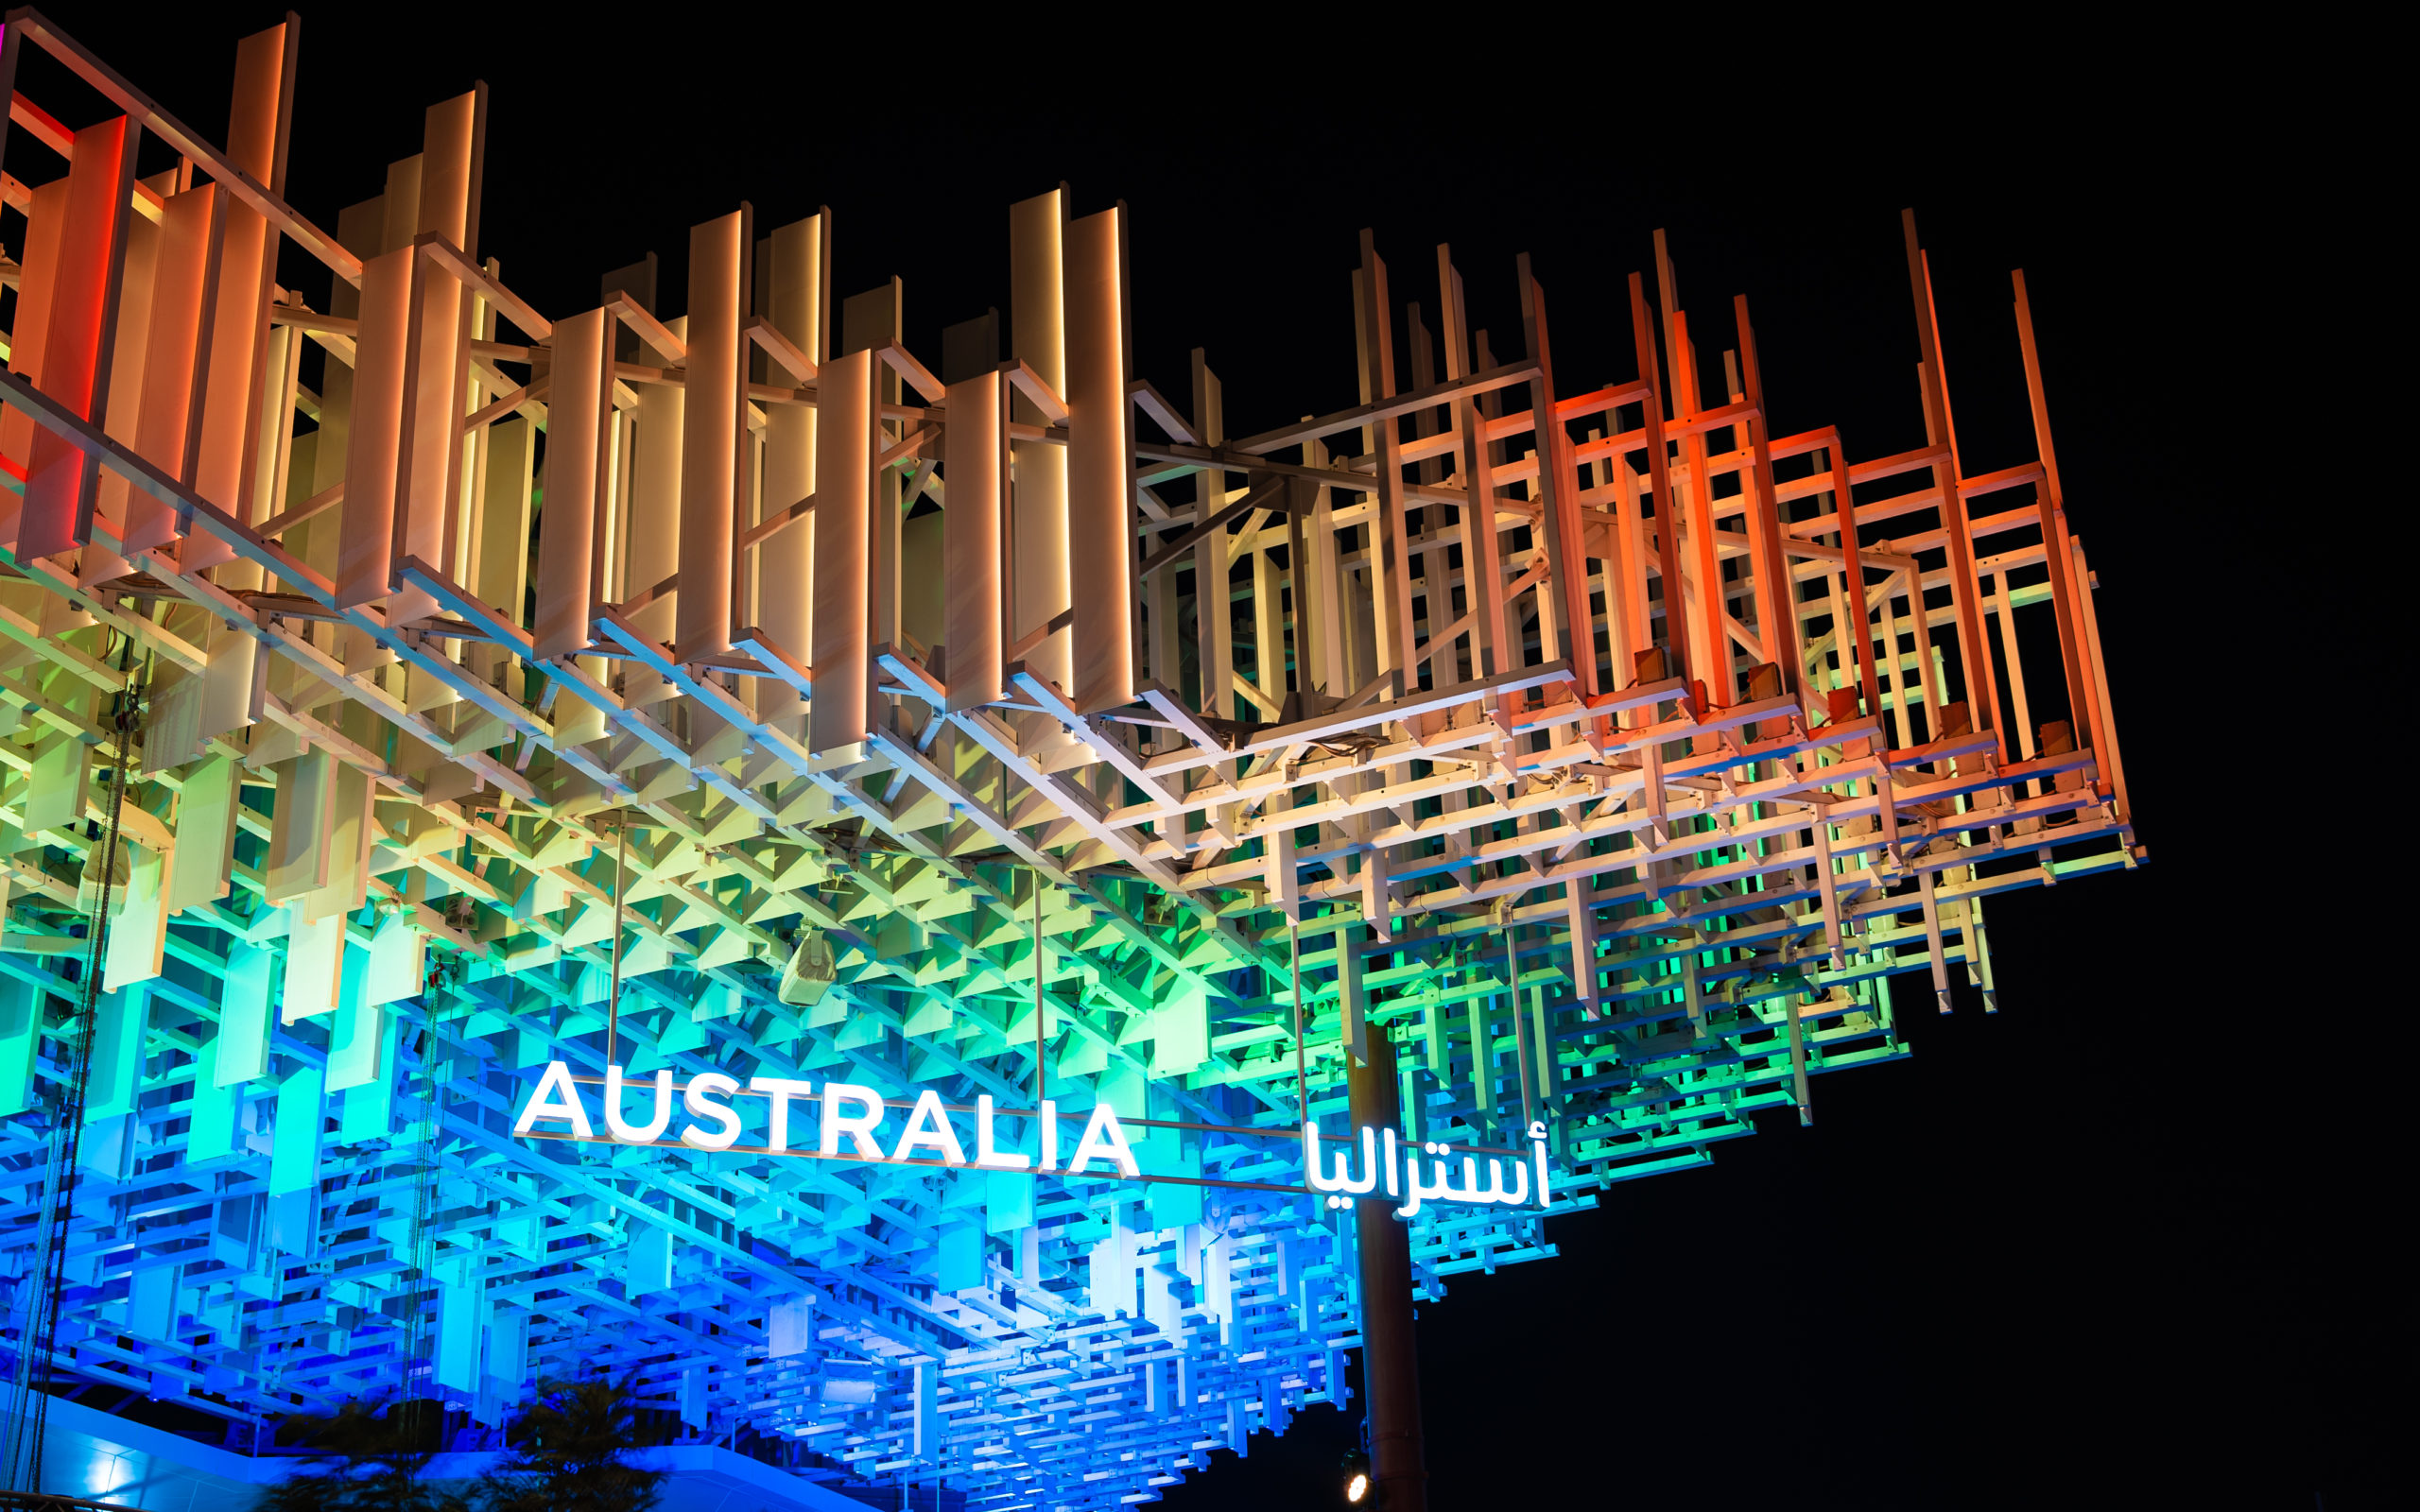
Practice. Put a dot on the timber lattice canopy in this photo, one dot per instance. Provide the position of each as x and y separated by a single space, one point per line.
397 640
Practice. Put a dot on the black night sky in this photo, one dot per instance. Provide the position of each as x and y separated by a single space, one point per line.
2123 1245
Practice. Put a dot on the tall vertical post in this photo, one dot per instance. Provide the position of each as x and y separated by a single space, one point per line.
1389 1352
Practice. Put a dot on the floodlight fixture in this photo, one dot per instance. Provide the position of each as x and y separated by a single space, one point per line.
1360 1490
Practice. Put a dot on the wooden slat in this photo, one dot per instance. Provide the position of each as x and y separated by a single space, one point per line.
1566 546
974 453
374 452
2065 591
60 482
244 254
1667 540
846 440
236 172
1503 377
428 490
577 440
1776 595
1038 523
713 438
1974 656
791 300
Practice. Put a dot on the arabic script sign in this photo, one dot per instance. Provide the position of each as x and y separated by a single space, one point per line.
1402 1177
846 1124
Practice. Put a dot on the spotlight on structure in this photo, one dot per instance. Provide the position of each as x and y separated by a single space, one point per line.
1360 1490
809 971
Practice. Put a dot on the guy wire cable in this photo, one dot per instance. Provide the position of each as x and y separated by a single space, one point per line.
1520 1033
419 1334
29 1413
421 1323
1294 969
613 991
1041 1079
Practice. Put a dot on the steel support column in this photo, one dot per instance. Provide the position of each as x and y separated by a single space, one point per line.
1390 1352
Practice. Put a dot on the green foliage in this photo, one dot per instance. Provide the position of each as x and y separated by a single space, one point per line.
567 1454
369 1461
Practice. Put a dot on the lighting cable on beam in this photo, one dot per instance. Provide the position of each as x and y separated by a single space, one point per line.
37 1345
1294 969
1040 1071
613 991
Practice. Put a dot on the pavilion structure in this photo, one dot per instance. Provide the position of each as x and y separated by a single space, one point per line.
403 688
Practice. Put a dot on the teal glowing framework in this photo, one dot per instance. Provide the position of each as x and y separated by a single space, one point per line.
837 719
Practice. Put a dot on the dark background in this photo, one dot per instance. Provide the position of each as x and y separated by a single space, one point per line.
2124 1245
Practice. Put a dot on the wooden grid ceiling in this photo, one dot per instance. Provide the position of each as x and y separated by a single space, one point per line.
1610 753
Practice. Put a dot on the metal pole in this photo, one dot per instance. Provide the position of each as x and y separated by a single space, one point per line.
1389 1352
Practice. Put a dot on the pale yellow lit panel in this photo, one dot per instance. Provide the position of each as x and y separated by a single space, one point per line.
843 473
786 561
711 432
578 413
231 394
1099 545
1039 485
364 561
164 419
974 459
